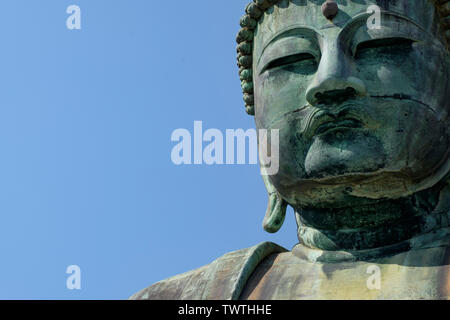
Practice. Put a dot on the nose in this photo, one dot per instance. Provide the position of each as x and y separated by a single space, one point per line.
334 82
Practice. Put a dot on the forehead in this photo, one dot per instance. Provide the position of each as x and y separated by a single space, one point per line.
308 13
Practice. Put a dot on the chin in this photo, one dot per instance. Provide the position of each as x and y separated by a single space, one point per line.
339 153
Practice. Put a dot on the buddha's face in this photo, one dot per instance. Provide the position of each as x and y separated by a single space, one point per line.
362 112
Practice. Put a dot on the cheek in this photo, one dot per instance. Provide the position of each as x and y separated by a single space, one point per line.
414 131
413 137
278 93
422 73
388 75
292 151
433 74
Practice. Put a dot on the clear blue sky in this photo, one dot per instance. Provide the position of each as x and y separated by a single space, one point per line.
86 118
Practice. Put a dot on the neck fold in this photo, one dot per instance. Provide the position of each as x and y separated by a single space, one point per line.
376 225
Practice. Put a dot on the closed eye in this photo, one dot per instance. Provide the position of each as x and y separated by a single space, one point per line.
394 43
288 60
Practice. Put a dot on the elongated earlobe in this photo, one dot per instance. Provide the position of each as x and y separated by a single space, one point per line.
276 208
275 214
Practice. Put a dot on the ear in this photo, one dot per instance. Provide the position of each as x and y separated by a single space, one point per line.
276 208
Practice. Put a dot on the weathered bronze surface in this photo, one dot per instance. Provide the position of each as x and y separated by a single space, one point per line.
362 113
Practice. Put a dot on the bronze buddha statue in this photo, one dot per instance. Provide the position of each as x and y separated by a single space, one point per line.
362 113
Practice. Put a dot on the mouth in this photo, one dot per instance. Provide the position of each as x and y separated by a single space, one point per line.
344 118
338 124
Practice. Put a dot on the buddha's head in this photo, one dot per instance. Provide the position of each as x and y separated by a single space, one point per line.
360 100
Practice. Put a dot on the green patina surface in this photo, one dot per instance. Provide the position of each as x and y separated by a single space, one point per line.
363 119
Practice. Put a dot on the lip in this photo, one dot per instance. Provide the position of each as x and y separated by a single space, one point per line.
349 123
347 117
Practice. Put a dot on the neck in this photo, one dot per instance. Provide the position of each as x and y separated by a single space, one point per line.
376 225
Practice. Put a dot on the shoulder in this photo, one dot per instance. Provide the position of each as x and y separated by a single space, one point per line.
223 279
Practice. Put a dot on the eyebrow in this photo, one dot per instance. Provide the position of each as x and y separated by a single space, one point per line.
298 30
361 17
302 30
